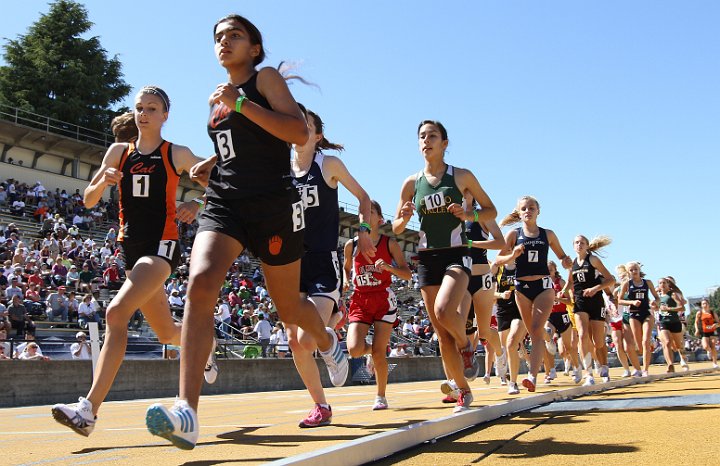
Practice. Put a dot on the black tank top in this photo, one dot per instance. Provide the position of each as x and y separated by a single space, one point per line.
584 276
322 215
147 193
506 282
251 161
475 232
639 293
533 261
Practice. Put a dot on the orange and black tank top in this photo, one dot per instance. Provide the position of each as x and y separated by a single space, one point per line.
147 195
707 320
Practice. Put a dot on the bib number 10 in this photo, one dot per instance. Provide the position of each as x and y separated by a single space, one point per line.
434 201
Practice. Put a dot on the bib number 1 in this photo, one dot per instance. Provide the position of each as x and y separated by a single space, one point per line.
166 249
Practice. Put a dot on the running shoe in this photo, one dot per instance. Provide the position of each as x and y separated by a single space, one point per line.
501 365
645 373
77 416
464 400
448 386
637 373
451 397
211 367
529 383
670 369
566 371
547 380
577 375
513 388
589 381
318 416
552 374
471 366
626 373
486 379
684 364
178 424
503 380
369 364
605 373
336 361
380 403
715 366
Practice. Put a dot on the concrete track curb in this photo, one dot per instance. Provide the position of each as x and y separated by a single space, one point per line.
377 446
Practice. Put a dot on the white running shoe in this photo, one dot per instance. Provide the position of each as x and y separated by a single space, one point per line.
501 364
589 381
178 424
336 361
380 403
577 375
465 399
684 364
77 416
513 388
645 373
637 373
448 387
486 379
503 380
626 373
211 367
715 366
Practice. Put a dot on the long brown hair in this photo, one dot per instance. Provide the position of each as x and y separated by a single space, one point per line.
320 129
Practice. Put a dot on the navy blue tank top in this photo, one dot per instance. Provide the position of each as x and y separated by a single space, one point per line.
533 261
251 161
475 232
639 293
322 213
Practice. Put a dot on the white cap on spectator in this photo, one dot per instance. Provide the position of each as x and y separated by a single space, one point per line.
80 334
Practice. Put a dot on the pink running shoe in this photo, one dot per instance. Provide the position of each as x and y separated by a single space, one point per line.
317 417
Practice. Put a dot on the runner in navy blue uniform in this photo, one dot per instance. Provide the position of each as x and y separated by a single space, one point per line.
146 172
588 278
635 292
528 246
251 204
316 177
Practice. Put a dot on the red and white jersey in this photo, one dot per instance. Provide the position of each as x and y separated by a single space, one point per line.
366 277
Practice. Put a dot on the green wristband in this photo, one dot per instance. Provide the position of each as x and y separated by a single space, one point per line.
477 216
470 243
239 103
364 226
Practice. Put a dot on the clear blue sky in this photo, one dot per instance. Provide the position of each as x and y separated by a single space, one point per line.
608 112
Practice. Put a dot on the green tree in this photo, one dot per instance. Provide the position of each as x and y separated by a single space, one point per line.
55 72
714 300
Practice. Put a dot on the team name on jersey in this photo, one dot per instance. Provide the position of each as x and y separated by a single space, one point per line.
532 242
140 168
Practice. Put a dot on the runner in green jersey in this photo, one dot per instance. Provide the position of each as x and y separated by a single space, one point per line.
437 192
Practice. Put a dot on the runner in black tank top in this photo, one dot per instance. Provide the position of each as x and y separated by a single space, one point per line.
510 324
482 289
316 177
251 204
588 279
638 290
147 174
528 247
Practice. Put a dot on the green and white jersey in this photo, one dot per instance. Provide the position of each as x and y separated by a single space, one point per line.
438 227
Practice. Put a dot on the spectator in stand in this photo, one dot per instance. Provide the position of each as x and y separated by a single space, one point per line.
111 237
106 250
73 306
85 278
5 346
14 289
72 279
17 313
399 351
58 305
111 277
246 322
175 301
59 271
79 222
81 348
32 353
33 303
3 197
261 292
35 278
263 328
222 315
407 330
18 208
279 340
88 311
173 285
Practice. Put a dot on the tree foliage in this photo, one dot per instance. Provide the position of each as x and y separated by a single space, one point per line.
53 71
